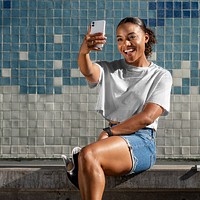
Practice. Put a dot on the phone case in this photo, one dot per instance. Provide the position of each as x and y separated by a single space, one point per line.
98 26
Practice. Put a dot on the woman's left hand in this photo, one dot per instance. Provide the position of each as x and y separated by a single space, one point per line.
103 135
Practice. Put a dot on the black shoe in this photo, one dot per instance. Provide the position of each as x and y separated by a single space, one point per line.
71 165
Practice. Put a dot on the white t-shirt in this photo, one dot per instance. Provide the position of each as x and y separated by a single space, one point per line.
125 89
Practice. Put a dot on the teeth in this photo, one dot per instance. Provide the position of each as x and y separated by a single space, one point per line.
128 50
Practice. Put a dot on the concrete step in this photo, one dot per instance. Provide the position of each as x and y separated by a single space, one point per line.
44 181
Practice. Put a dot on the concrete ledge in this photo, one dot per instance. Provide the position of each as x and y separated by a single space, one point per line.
50 182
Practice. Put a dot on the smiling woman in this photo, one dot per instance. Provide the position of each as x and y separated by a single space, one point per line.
133 94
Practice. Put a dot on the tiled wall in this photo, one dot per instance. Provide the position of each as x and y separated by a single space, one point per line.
45 105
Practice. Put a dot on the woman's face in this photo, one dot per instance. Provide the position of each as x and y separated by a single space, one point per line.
131 41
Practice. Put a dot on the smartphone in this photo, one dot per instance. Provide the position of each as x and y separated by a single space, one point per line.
98 26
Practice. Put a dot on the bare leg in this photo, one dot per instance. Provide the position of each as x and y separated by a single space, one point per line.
110 156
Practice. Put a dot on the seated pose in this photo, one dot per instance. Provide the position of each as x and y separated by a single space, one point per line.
133 94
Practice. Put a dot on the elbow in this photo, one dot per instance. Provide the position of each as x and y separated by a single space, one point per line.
148 120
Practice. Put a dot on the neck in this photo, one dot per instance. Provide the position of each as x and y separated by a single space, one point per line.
144 63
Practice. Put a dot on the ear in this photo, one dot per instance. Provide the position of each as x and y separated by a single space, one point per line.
146 37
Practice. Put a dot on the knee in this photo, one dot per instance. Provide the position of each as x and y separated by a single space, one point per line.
86 159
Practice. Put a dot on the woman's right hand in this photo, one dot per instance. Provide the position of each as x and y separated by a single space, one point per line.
90 41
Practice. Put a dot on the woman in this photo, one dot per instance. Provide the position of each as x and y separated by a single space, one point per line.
133 94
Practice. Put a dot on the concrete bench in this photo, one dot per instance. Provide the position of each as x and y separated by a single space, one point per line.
41 182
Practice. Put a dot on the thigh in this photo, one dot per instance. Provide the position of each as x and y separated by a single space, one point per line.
112 154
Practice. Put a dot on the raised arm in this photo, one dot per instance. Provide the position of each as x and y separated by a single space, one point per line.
90 70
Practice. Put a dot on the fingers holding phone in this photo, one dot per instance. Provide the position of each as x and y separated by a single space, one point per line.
95 37
95 41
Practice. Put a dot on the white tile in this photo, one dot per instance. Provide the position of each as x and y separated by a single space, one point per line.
6 72
58 39
76 73
185 64
177 81
58 81
57 64
23 55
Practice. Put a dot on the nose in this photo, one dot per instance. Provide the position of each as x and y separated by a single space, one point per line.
127 42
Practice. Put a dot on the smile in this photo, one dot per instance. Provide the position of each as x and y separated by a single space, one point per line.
129 50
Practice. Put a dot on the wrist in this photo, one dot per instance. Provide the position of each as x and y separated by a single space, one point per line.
108 131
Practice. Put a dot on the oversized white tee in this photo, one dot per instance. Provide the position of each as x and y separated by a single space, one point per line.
125 89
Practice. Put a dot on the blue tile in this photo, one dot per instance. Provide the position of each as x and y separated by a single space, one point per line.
185 56
5 81
40 90
49 90
14 81
32 81
117 5
195 14
152 5
83 81
143 5
66 81
194 82
41 64
185 90
40 81
49 81
40 73
160 5
177 56
23 73
185 39
66 73
160 22
169 13
177 13
49 65
160 13
57 90
194 5
194 56
57 73
23 89
194 65
31 73
6 64
185 82
6 4
93 5
169 5
49 73
186 5
74 81
177 5
194 73
23 81
186 14
152 22
31 90
177 90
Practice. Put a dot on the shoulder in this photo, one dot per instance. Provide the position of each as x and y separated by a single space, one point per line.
160 70
161 75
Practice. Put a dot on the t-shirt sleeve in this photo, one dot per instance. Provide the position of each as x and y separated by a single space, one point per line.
162 92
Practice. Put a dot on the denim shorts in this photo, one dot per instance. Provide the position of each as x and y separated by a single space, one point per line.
142 149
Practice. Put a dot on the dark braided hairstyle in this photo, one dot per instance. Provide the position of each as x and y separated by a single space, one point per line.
140 22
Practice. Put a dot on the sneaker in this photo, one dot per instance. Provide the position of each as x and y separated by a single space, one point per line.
71 165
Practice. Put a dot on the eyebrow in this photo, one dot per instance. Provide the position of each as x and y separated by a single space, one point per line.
128 34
